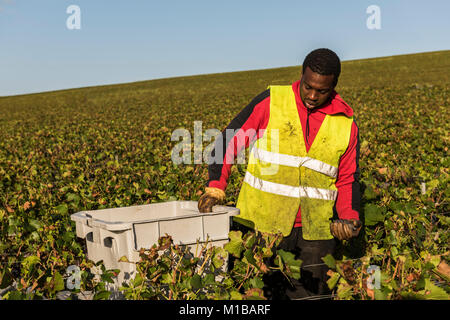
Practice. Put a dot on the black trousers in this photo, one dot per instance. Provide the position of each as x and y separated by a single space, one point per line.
313 270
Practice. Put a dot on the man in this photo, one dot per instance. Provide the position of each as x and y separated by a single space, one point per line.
302 178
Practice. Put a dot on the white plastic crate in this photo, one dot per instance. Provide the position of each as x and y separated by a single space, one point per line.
113 233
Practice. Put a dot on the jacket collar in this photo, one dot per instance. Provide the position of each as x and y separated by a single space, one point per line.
335 104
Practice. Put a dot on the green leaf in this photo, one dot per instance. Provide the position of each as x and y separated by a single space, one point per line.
431 186
410 207
58 281
72 197
35 224
219 257
235 245
286 256
381 294
29 262
333 280
68 236
209 279
110 274
435 260
396 206
220 294
267 252
14 295
369 193
249 240
102 295
196 282
433 292
329 261
123 259
62 209
6 278
235 295
256 282
165 278
292 265
373 214
248 254
421 283
344 291
13 221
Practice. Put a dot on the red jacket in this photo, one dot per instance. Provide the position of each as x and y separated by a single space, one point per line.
256 116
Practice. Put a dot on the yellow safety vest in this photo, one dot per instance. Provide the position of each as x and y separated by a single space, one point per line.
281 176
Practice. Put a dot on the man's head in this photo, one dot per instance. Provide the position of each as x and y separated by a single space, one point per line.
320 73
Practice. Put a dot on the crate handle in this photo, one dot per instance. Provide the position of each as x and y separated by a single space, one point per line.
110 242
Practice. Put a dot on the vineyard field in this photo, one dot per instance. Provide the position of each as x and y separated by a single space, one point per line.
110 146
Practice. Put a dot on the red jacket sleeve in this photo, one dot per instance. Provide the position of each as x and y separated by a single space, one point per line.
245 128
347 182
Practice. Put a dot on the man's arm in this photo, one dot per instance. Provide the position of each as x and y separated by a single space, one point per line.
348 202
349 195
237 136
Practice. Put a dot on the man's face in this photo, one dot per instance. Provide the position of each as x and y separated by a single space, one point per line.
315 89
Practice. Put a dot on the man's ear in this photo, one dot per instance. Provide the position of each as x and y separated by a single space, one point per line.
335 82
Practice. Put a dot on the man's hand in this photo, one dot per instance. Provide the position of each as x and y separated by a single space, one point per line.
345 229
210 198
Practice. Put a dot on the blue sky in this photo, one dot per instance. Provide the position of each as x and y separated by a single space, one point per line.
133 40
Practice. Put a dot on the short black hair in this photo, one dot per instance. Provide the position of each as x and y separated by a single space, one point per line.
323 61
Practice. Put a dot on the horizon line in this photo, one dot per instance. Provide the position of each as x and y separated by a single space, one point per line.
204 74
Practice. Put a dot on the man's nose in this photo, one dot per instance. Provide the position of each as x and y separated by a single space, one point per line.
313 95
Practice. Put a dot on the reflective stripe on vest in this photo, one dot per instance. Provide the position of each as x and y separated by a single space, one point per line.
294 161
289 191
